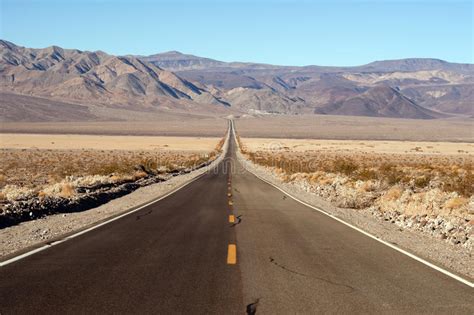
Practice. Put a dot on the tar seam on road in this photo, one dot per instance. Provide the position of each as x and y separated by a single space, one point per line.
239 219
351 289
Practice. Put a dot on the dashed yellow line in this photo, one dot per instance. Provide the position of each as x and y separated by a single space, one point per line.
232 254
231 218
229 194
230 203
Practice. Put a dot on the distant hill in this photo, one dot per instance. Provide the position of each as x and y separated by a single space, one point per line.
173 81
175 61
416 64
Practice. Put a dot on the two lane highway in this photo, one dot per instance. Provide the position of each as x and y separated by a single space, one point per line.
176 257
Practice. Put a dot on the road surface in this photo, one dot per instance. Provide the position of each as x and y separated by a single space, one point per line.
176 257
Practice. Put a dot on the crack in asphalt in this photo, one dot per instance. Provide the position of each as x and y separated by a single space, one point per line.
138 217
287 269
239 219
251 308
351 289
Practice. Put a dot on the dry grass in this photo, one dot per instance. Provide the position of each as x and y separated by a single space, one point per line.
451 173
393 194
67 190
34 167
456 203
435 180
449 170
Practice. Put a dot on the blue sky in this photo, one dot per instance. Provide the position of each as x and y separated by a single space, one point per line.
271 31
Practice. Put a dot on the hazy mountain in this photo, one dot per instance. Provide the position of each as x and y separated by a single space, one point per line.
416 64
175 61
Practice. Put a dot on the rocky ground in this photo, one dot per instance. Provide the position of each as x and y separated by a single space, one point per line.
429 221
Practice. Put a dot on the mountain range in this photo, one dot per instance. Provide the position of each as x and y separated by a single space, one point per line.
172 81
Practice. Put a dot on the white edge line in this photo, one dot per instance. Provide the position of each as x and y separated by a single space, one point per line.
37 250
419 259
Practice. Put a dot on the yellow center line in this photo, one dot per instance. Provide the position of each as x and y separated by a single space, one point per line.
231 218
232 254
230 203
229 194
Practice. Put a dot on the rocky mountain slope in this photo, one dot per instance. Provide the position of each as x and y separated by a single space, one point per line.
379 101
69 74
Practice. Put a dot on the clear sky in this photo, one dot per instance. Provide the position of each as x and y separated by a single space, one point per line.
271 31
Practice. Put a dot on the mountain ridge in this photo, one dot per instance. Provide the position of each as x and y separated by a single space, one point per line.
418 88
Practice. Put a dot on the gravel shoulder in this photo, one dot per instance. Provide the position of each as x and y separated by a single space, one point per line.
456 258
30 234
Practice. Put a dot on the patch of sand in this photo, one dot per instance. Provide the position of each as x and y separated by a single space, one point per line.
73 142
360 146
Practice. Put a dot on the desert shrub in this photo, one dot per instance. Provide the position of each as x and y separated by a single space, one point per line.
67 190
462 184
344 166
389 173
422 181
368 186
367 174
3 180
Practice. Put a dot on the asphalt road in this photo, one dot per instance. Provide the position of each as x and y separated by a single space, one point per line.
173 257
